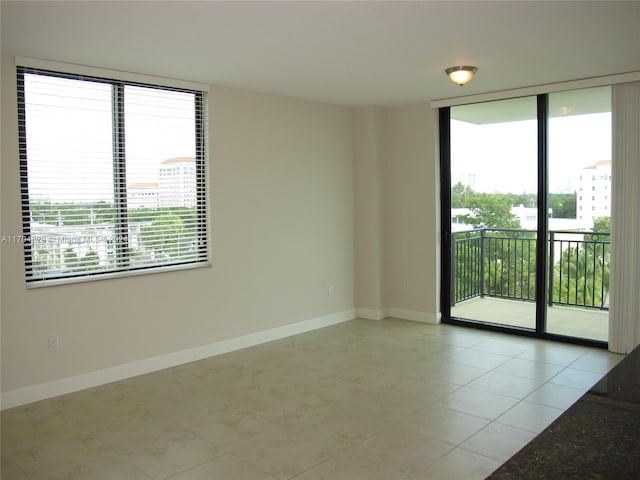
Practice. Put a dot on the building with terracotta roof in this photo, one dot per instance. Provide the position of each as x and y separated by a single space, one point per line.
143 195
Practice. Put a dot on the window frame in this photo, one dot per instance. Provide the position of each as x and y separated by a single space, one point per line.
118 82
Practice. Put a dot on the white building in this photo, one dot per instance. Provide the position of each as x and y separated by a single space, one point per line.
177 182
143 195
527 216
594 192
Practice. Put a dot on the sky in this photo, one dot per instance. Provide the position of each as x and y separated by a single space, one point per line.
502 157
70 136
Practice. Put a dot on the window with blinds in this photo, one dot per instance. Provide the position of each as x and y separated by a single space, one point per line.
112 177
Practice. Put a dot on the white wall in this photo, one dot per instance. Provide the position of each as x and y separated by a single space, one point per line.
413 233
281 232
397 213
369 157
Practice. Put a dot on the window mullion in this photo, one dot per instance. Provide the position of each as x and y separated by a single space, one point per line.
121 230
200 174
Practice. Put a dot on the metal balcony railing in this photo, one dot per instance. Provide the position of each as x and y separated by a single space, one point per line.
501 263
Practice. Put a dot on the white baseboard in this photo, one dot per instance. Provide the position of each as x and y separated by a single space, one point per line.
413 315
54 388
397 312
371 313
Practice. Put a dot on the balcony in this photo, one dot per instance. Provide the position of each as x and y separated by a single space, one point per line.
494 280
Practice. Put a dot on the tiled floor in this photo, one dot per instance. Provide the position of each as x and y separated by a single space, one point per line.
360 400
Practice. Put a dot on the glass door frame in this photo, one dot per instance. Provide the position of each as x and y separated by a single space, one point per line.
542 257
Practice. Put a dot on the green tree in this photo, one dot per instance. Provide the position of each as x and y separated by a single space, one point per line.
90 260
490 210
164 235
529 200
70 259
562 205
581 276
459 195
602 224
507 260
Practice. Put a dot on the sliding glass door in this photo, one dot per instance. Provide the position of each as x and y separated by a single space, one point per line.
526 189
494 201
579 213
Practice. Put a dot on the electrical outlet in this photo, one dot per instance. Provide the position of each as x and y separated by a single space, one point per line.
331 290
54 343
405 285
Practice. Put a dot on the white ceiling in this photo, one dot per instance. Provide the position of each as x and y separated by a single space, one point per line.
347 53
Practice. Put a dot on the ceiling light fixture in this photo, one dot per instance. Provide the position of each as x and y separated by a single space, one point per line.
461 74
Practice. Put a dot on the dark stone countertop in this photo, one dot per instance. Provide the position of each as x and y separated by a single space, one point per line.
598 437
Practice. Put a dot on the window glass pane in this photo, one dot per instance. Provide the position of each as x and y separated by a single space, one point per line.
70 173
579 160
494 212
161 175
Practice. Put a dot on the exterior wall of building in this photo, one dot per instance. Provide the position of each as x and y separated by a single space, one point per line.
177 184
594 192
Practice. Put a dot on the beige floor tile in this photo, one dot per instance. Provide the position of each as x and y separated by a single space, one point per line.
462 337
451 372
426 390
308 400
554 395
443 424
503 384
461 464
193 411
336 429
400 452
11 470
225 467
109 467
504 346
113 399
288 405
597 361
478 358
530 416
334 390
284 455
571 377
20 427
477 403
233 429
520 367
380 407
344 467
553 353
498 441
330 360
133 429
276 371
55 457
371 375
169 454
430 347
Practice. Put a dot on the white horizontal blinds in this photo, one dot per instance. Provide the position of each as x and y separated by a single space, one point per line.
69 175
97 197
160 132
